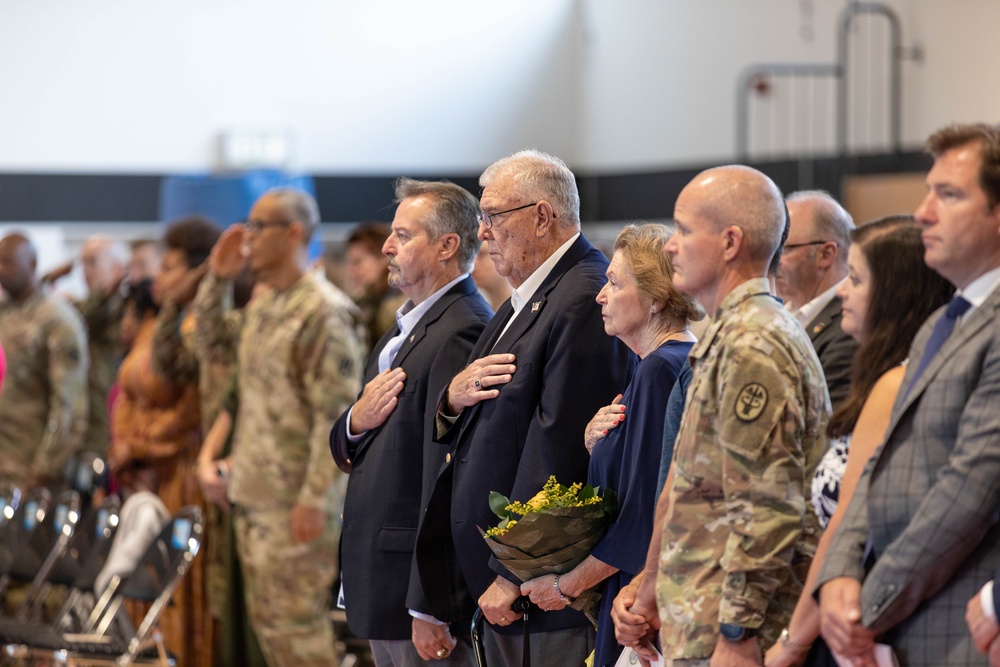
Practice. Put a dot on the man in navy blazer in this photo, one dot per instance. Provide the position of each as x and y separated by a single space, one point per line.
920 536
813 265
516 414
384 440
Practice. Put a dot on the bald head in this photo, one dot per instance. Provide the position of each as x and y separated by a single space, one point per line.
729 222
744 197
18 261
104 262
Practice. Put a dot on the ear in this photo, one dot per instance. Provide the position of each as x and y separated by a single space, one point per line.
545 218
732 240
827 254
298 232
448 246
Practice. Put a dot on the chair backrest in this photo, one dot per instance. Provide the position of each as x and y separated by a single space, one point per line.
17 531
87 551
172 550
86 473
157 576
49 535
10 500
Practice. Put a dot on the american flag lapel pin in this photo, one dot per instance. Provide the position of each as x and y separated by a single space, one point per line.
535 306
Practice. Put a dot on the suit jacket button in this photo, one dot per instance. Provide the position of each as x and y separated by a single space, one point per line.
447 457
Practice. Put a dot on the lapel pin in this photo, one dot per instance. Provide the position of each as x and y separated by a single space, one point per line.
535 306
411 338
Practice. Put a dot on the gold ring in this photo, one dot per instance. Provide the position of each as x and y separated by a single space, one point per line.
442 652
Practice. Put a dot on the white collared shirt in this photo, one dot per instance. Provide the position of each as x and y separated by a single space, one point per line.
808 312
407 317
978 291
520 296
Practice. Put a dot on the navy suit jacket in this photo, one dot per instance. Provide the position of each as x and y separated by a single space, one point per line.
392 465
567 368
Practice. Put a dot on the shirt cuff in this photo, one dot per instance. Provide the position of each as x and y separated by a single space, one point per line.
354 439
426 617
986 600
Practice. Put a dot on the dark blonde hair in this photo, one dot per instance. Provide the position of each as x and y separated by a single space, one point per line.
641 248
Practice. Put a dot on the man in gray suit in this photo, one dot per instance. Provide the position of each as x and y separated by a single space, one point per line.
813 265
920 536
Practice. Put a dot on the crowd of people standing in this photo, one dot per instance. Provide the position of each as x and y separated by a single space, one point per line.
809 481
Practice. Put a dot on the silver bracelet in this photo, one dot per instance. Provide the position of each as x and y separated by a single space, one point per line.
562 596
791 645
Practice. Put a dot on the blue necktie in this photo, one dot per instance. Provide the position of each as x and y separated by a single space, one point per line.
942 329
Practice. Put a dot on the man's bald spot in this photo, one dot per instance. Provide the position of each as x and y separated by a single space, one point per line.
742 196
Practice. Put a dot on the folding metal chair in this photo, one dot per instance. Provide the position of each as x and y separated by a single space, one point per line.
17 532
41 551
154 580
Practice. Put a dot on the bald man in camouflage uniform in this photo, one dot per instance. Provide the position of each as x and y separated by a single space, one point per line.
738 531
43 402
300 366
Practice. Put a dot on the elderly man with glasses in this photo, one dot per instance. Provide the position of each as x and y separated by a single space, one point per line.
516 414
813 265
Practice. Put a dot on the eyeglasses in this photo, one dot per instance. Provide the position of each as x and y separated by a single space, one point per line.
258 226
488 218
793 246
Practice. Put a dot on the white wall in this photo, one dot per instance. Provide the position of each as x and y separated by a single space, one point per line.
391 86
660 82
363 86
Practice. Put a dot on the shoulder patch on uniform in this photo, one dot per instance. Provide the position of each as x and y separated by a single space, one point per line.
751 402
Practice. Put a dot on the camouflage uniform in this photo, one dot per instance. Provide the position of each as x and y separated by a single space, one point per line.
213 342
740 531
299 368
43 403
102 317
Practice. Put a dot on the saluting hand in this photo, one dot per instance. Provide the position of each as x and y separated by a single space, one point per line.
228 254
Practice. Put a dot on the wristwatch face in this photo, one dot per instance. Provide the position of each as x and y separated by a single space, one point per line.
734 633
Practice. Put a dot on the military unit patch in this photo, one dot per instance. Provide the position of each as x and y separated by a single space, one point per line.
751 402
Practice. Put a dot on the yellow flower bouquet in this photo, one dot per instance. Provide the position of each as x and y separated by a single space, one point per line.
552 533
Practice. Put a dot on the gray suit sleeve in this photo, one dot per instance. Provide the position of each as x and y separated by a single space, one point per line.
951 519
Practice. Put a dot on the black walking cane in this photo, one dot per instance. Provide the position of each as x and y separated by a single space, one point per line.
521 606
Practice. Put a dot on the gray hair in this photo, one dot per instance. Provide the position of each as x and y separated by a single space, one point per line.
537 176
116 249
831 221
299 206
454 210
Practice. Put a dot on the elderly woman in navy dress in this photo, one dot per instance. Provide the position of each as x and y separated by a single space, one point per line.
641 307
